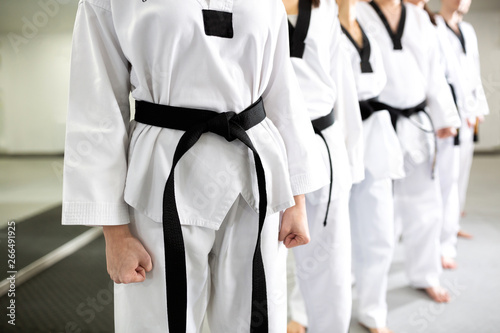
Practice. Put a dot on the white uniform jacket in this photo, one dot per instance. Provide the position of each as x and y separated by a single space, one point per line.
463 70
326 82
383 157
159 51
414 74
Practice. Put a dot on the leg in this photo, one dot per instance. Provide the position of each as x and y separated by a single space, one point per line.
466 155
448 169
371 209
324 267
417 202
141 307
229 309
297 314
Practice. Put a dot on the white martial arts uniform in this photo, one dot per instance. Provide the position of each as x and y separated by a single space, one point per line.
323 267
462 70
465 76
414 75
115 172
371 204
448 169
296 310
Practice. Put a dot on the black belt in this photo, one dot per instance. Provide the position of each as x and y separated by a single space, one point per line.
320 125
196 122
367 109
456 141
371 106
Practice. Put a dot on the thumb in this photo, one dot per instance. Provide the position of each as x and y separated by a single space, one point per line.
146 262
140 274
289 240
293 240
284 231
135 275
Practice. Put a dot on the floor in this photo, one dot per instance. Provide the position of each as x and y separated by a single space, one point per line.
30 186
474 286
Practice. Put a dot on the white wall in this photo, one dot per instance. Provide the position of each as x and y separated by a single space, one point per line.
34 75
33 94
487 26
484 15
35 41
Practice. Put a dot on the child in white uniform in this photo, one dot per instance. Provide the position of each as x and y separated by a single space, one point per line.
214 84
420 101
371 204
459 45
323 268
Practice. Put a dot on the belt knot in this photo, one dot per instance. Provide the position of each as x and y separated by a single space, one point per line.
221 125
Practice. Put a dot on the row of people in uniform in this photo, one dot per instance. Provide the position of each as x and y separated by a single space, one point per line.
417 80
221 170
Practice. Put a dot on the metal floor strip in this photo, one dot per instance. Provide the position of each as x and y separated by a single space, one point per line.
51 258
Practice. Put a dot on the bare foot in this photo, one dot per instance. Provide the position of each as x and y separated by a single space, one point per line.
295 327
448 263
464 234
463 213
377 330
380 330
438 294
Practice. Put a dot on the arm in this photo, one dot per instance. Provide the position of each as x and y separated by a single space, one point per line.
347 111
286 109
95 162
482 103
97 141
442 108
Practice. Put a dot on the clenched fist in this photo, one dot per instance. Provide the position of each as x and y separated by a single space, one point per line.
294 229
126 258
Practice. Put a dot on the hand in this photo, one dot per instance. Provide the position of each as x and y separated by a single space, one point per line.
294 229
446 132
126 258
295 327
471 122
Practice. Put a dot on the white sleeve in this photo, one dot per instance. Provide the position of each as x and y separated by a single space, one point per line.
95 160
346 108
482 103
439 97
286 108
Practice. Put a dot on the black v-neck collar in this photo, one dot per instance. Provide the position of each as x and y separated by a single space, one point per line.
396 37
364 51
298 34
460 36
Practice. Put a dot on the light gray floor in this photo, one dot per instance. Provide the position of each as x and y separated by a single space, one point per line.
28 186
474 285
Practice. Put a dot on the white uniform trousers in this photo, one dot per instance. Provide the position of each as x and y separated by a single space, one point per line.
219 273
417 206
296 305
323 267
372 228
448 168
466 155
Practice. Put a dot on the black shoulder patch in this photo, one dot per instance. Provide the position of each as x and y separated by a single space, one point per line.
217 23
